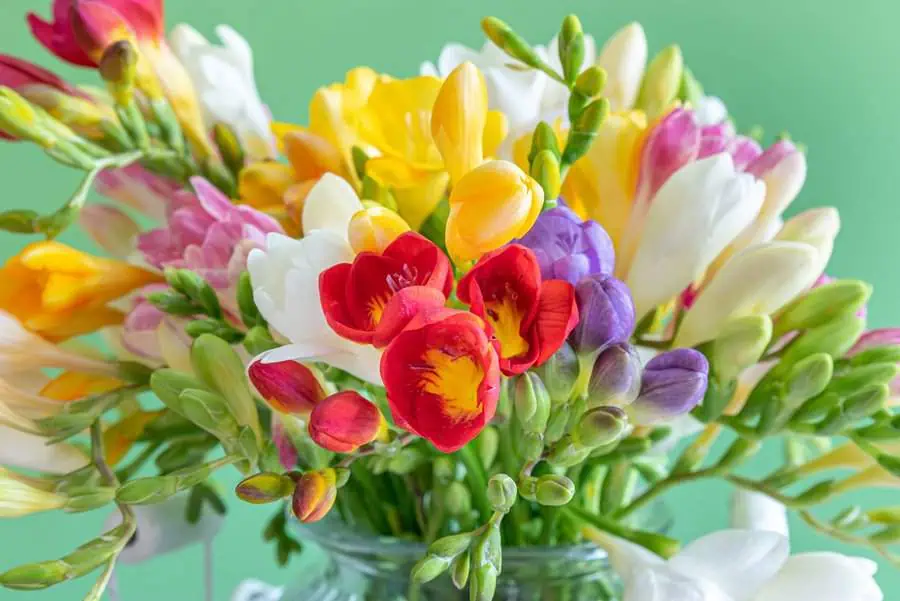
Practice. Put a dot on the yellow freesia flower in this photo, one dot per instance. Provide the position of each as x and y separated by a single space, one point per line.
374 228
489 206
58 292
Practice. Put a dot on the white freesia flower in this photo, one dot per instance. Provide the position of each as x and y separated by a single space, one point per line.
817 227
710 110
624 58
224 80
757 281
525 96
285 280
707 196
743 564
21 495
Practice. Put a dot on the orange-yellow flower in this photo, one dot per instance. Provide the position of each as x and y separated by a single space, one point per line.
314 495
374 228
490 206
58 292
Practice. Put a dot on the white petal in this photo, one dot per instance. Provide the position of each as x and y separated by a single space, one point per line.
28 451
453 55
428 68
757 281
823 577
665 584
184 39
739 562
330 205
693 217
710 110
362 361
755 511
624 57
817 227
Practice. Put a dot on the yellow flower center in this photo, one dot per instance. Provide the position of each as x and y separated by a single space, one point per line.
376 309
506 320
456 380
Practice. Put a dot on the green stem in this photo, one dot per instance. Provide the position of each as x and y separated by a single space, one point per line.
477 479
659 488
657 543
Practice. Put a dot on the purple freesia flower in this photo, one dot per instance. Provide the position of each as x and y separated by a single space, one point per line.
672 384
606 314
568 248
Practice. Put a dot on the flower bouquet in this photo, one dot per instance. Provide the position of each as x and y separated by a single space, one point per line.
461 318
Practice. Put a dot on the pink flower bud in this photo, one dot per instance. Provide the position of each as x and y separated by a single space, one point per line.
287 386
344 422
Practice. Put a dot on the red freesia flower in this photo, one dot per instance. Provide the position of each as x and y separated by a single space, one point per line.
370 300
528 317
82 29
287 386
345 421
442 377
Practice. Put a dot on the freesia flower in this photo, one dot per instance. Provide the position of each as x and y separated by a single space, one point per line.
31 452
530 317
672 384
345 421
490 206
287 386
568 248
442 378
624 58
373 229
372 298
285 282
45 89
707 194
314 495
749 564
606 314
224 80
59 292
111 228
209 235
21 495
153 336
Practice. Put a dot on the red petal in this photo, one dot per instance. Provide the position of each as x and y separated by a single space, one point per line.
57 37
333 287
95 25
557 316
287 386
344 421
432 267
370 285
403 308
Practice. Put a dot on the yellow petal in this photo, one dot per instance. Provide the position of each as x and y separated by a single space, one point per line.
490 206
417 191
374 228
311 156
280 129
71 386
459 118
496 129
57 257
262 185
121 436
334 110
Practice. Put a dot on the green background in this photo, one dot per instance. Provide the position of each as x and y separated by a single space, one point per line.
825 70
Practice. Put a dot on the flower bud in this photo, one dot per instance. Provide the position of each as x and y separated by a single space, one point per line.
606 314
584 130
559 421
502 493
615 376
220 368
808 378
532 402
834 338
486 445
118 69
374 228
531 446
672 384
543 138
345 421
891 464
449 547
287 386
866 401
20 120
554 491
314 495
265 487
545 171
741 344
571 47
567 453
229 146
662 81
428 568
600 426
147 490
110 228
457 500
673 143
258 340
459 570
509 41
822 304
559 373
850 381
591 81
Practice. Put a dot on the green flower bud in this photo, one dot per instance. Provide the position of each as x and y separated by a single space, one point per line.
584 130
857 377
878 354
884 515
36 576
849 518
545 170
174 304
808 378
459 570
662 82
886 536
834 338
486 446
591 81
266 487
428 568
457 499
20 119
557 424
209 411
890 463
816 408
222 370
196 289
528 488
118 69
823 304
450 546
571 47
510 42
554 491
618 484
600 426
502 493
559 374
484 584
867 401
250 314
816 493
145 491
691 91
89 501
531 446
531 402
258 340
740 345
229 147
567 453
543 138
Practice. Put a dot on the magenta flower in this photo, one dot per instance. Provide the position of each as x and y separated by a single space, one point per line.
133 186
208 234
568 248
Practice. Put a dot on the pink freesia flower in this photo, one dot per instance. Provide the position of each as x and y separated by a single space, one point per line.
136 187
